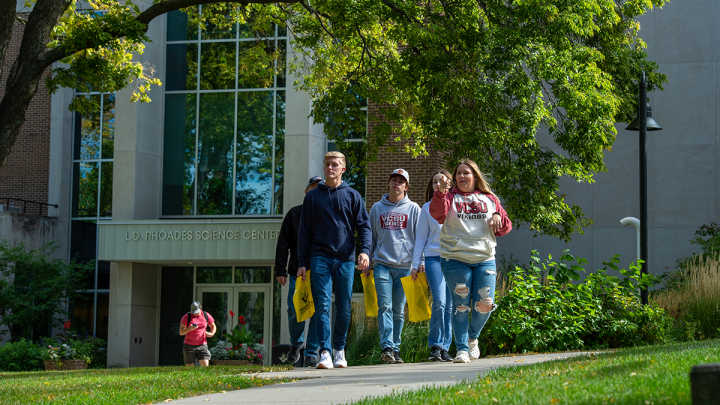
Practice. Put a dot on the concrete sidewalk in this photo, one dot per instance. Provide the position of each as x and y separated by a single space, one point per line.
345 385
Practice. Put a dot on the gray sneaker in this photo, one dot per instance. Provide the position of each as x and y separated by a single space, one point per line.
387 356
435 354
293 355
396 355
311 361
445 356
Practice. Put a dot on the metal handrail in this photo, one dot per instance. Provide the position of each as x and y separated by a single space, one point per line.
25 203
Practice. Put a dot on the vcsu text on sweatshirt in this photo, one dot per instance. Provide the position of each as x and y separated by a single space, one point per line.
465 235
393 232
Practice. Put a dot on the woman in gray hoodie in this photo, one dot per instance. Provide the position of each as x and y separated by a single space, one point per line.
393 220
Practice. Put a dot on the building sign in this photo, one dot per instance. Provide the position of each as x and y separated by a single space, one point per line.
205 240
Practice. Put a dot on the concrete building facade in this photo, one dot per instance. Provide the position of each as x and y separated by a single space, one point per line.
182 198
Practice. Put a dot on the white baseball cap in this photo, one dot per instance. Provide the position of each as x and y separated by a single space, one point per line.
403 173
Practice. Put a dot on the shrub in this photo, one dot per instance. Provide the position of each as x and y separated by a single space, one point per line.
21 356
92 349
694 302
541 309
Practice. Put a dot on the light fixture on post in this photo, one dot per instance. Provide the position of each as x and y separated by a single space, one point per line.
643 122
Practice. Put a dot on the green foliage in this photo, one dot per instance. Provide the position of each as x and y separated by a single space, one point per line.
708 238
547 308
92 350
482 80
34 287
363 342
21 356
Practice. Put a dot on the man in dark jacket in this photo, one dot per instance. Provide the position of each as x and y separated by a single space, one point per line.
288 241
331 214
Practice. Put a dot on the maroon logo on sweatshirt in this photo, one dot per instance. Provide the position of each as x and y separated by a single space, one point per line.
473 207
393 221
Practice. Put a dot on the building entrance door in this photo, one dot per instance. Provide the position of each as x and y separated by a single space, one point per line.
249 303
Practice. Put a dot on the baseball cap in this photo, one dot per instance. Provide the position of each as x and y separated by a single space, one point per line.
403 173
313 180
195 307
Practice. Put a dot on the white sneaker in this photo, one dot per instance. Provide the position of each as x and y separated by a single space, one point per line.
325 360
474 350
462 357
339 360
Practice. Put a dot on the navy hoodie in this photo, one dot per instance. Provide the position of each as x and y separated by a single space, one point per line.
329 219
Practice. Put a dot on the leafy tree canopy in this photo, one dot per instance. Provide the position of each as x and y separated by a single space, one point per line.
472 79
35 287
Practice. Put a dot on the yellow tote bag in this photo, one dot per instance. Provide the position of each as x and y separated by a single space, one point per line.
303 299
370 294
417 297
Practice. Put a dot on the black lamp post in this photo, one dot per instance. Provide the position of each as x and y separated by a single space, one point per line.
643 122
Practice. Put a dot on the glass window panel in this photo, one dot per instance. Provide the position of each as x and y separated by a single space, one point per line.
215 153
279 151
181 67
179 155
83 239
108 126
225 30
87 134
85 189
216 304
217 66
81 314
101 317
254 153
281 63
103 278
281 31
257 76
179 28
277 313
355 174
106 187
209 275
252 275
251 305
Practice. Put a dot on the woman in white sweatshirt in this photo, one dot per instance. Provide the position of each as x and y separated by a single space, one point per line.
472 218
426 258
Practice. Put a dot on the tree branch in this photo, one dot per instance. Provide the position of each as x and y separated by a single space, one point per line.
55 54
7 12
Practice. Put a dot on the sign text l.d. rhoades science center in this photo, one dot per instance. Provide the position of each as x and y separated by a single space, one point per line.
163 241
202 235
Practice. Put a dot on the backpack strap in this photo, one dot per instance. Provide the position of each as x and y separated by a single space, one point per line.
187 324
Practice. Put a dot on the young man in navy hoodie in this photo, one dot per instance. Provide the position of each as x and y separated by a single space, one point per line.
326 243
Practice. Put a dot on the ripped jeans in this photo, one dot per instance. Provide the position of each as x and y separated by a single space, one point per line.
472 288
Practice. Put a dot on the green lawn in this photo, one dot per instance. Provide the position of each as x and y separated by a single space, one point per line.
127 385
645 375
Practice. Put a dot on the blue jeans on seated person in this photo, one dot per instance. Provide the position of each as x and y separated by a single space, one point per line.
442 308
331 276
391 304
470 284
297 329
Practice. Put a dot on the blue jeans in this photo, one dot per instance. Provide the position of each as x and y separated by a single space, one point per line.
442 308
469 283
391 304
328 273
297 329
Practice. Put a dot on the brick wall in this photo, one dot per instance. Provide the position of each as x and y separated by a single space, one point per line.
25 174
420 169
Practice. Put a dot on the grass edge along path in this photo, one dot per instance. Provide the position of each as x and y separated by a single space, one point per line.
129 385
649 375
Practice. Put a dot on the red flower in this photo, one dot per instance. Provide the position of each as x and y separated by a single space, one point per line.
241 320
232 313
66 325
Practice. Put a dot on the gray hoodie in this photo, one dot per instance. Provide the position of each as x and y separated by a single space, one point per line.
393 232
